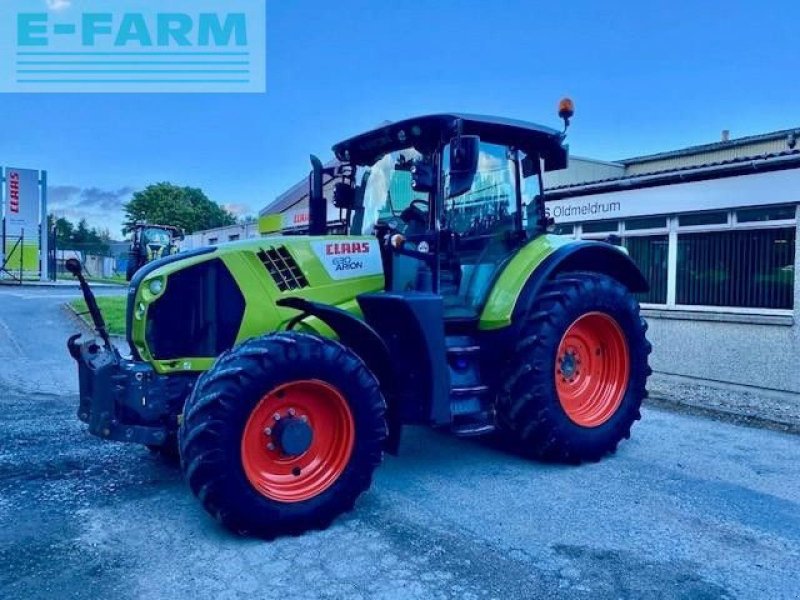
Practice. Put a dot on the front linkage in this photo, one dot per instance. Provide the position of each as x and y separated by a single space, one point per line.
122 399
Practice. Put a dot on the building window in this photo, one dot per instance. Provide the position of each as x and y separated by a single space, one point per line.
212 240
769 213
564 229
601 227
737 268
650 253
233 238
706 218
646 223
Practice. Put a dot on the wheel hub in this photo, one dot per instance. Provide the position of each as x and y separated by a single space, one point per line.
569 365
298 440
592 369
292 436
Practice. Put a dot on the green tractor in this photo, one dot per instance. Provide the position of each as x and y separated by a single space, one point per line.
283 368
149 243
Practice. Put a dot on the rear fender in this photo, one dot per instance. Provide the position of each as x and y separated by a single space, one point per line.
598 257
541 259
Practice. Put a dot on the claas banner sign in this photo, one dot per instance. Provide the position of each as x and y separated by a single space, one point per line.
22 202
21 213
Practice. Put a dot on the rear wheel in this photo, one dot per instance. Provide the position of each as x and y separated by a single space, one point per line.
578 375
283 434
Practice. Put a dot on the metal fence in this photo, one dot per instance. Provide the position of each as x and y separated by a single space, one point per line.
747 268
651 254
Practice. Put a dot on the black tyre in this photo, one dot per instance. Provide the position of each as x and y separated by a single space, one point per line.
578 373
283 434
168 452
133 265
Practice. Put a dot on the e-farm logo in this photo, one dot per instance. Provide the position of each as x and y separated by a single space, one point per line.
133 46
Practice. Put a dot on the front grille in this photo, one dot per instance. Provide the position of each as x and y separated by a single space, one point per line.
283 269
199 314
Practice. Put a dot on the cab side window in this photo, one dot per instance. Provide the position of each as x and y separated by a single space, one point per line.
489 206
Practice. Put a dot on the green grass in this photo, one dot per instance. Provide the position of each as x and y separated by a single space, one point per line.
113 309
116 279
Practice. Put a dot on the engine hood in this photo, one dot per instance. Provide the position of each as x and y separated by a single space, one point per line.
209 299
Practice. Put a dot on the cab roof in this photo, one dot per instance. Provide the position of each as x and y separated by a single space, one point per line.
427 132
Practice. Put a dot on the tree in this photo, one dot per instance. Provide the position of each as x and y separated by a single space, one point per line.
81 237
64 230
184 207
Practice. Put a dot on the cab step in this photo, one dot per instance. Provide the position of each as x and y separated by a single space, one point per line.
470 390
479 424
463 350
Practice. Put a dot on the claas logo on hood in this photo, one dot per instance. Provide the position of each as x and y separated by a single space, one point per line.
346 248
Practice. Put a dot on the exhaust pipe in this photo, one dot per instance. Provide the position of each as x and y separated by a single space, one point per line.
317 205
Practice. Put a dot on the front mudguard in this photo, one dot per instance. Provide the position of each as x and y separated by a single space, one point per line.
126 400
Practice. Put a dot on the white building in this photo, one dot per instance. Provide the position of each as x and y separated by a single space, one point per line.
219 235
714 228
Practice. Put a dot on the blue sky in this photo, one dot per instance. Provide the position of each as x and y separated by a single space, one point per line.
645 77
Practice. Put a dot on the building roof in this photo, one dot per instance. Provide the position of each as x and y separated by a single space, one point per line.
694 172
287 199
781 135
768 151
294 195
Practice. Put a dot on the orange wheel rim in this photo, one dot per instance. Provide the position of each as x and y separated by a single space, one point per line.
297 441
592 369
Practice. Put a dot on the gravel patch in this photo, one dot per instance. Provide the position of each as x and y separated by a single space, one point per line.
746 406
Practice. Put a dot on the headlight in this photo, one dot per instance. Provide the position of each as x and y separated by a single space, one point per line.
156 286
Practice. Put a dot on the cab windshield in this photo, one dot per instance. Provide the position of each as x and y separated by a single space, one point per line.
388 192
488 208
152 235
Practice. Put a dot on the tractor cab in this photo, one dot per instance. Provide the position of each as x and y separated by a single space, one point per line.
450 197
151 242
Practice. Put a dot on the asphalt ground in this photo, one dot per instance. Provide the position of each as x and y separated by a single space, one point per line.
688 508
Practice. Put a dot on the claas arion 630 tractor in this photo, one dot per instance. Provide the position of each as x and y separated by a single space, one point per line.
282 368
149 243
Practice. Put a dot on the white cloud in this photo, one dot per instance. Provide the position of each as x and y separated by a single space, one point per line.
100 207
489 162
58 4
238 209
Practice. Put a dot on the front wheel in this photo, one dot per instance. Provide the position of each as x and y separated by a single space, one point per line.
577 380
132 266
283 434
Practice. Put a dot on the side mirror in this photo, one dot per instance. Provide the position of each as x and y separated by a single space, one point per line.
344 196
530 166
464 152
